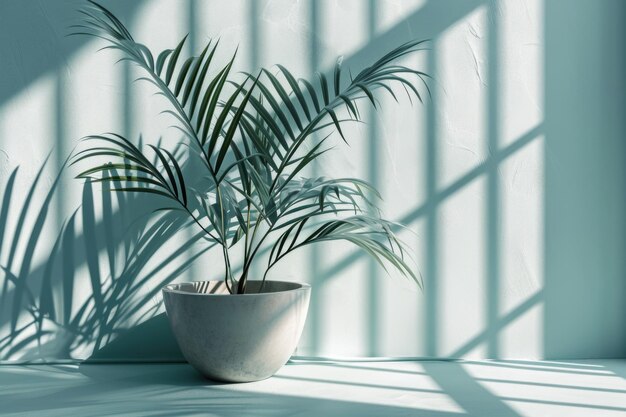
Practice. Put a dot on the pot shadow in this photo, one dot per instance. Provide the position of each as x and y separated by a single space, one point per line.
150 341
171 374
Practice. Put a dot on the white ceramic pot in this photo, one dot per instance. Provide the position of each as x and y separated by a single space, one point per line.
237 337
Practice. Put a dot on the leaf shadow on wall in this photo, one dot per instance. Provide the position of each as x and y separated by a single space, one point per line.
48 309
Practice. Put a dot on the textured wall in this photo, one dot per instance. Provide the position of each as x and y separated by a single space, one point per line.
510 180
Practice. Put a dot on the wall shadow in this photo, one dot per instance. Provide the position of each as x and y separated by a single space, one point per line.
45 308
585 180
40 27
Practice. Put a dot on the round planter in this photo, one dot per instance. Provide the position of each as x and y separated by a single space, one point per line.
237 337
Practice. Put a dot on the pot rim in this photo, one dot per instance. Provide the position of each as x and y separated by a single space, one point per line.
169 288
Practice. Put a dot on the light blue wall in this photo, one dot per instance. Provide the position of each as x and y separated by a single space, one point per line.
585 179
512 180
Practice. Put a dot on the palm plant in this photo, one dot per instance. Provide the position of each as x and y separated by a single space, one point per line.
254 135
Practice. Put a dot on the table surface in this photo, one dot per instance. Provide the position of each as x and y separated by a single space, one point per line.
593 388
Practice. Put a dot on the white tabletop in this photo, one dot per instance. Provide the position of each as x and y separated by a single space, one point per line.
380 389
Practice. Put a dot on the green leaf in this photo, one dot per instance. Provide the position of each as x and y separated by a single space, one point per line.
278 111
269 121
182 74
367 92
200 81
284 96
324 87
219 123
336 122
170 175
214 99
296 90
179 173
173 60
312 94
337 74
161 60
109 166
233 126
113 19
104 152
142 190
133 178
192 80
208 93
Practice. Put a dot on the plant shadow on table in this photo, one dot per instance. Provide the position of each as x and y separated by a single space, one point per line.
96 292
434 389
176 389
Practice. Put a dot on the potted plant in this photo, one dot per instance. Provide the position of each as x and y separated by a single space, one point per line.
253 136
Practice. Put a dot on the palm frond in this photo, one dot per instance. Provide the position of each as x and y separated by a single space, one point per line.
142 174
249 131
371 234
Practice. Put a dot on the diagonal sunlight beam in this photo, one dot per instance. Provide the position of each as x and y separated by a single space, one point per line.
442 195
469 394
434 18
504 321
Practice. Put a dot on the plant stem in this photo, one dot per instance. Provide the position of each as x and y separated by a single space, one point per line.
248 263
245 247
228 271
200 224
227 274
